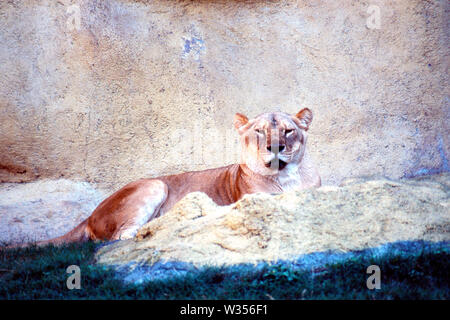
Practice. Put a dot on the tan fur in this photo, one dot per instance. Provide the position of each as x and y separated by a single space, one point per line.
261 170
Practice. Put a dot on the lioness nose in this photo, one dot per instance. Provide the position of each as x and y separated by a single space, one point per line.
280 148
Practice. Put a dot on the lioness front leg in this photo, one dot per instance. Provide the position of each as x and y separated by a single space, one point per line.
123 213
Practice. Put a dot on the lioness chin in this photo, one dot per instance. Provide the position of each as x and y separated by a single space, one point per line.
274 159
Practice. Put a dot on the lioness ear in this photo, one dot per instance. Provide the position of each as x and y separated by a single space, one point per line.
240 120
305 118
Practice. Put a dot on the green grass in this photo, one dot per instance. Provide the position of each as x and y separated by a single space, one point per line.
40 273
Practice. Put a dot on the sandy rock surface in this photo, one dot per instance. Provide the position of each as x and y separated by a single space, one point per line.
363 213
44 209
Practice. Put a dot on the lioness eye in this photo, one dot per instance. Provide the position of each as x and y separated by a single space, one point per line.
288 131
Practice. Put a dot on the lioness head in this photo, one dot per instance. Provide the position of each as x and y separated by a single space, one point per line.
273 140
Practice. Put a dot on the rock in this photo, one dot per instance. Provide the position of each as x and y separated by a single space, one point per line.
145 88
362 214
44 209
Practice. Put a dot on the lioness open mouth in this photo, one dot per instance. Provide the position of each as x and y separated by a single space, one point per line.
276 162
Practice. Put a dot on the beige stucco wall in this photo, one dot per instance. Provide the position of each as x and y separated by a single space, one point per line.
140 88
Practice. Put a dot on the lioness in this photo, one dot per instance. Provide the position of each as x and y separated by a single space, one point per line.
274 159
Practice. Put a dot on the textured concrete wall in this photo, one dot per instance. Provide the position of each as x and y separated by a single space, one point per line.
94 90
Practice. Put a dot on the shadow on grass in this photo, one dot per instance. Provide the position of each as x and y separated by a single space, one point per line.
409 270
